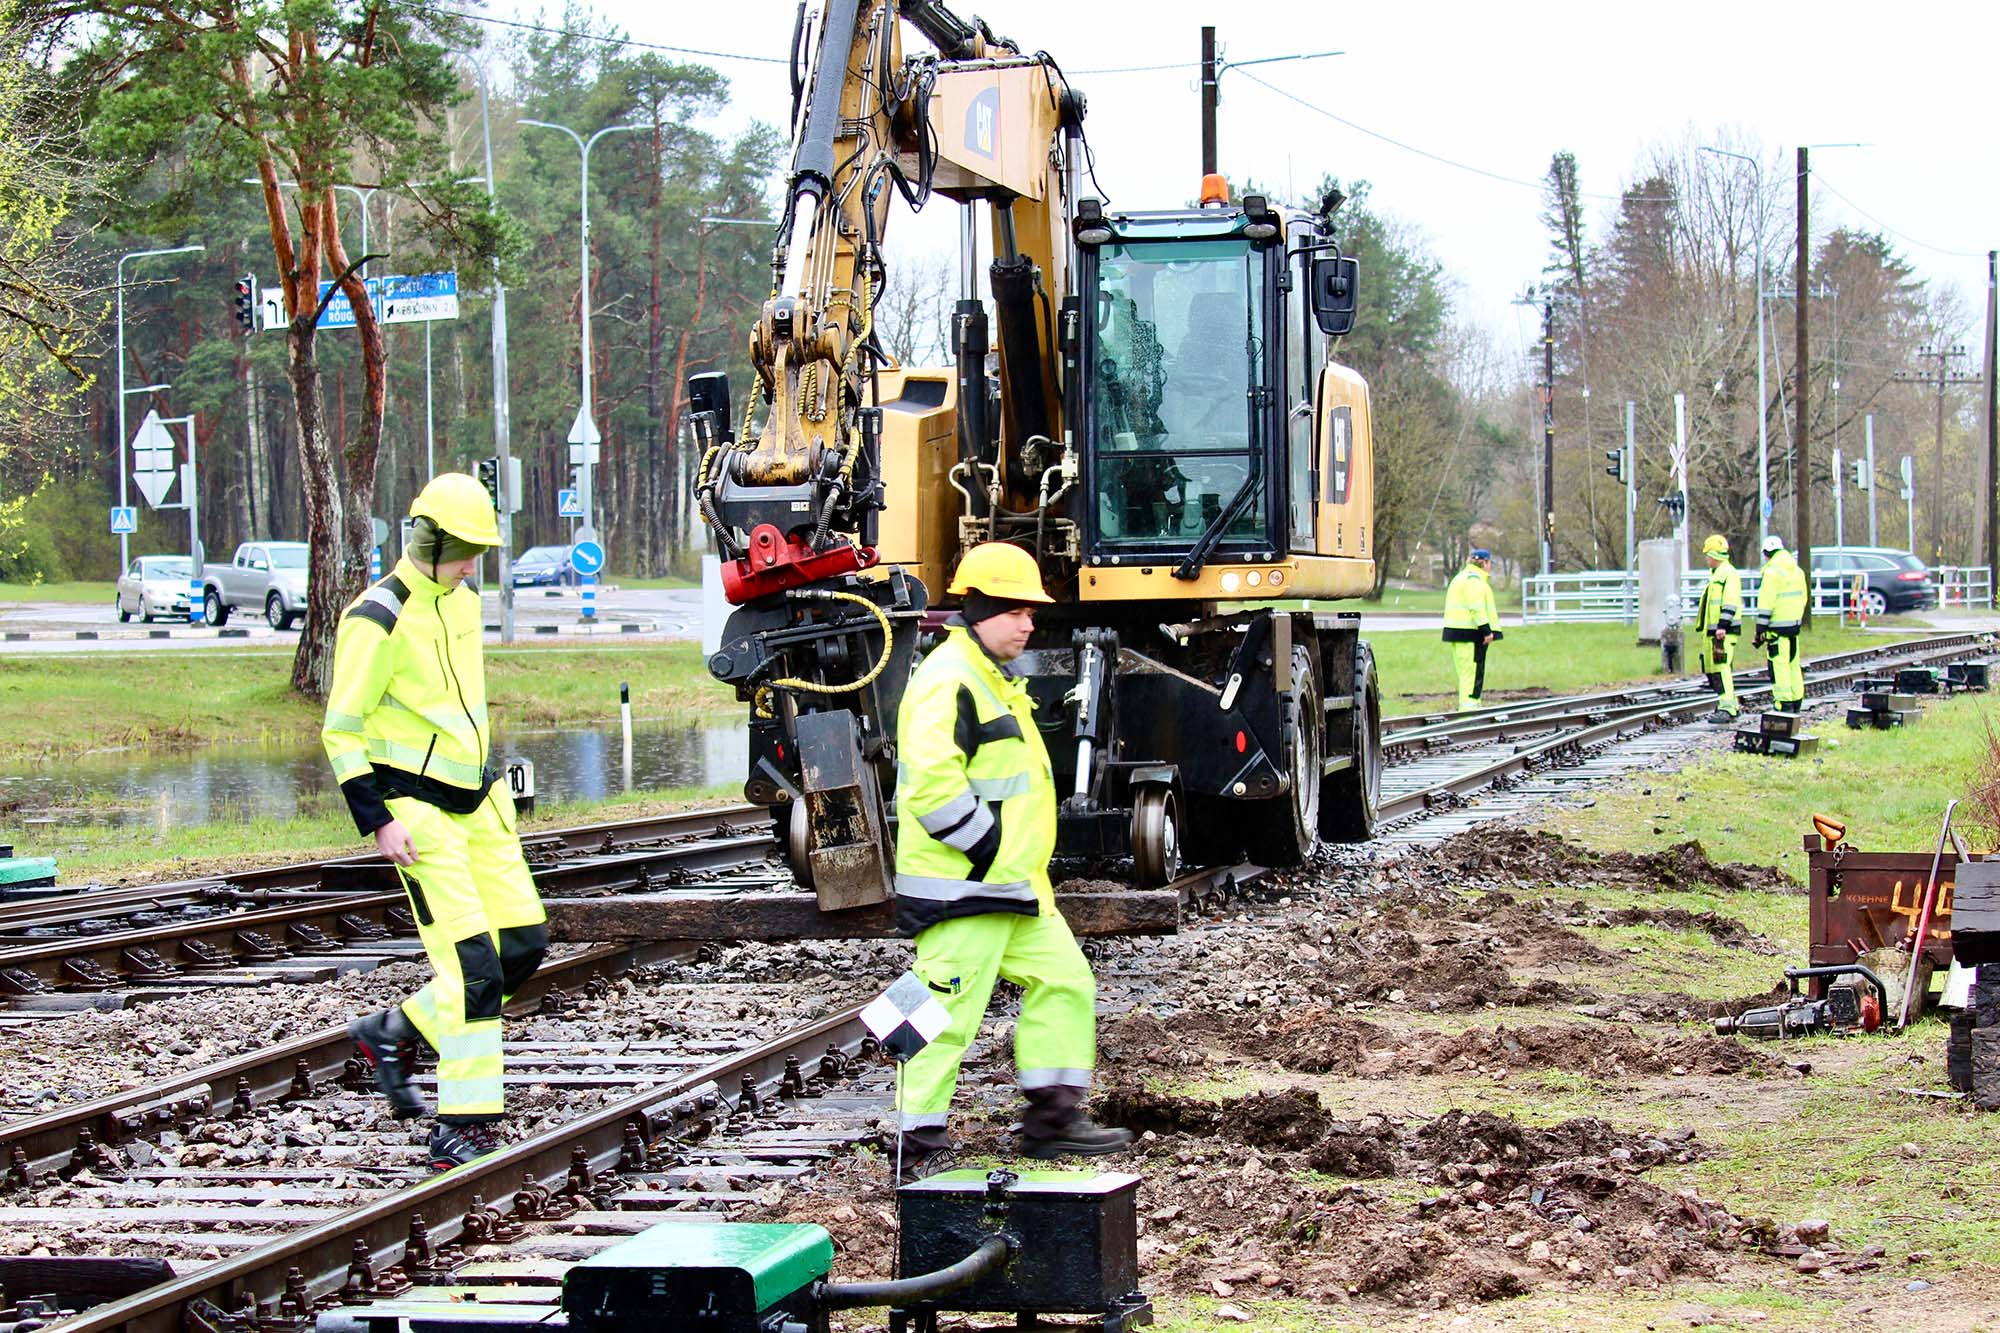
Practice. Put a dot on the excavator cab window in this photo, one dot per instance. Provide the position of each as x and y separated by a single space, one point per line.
1179 345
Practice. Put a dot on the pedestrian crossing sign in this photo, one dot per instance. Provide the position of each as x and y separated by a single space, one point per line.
124 520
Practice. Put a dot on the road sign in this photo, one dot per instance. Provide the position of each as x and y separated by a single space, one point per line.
378 530
568 504
153 450
583 431
414 298
124 519
586 557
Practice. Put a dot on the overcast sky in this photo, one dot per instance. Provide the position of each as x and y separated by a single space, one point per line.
1496 89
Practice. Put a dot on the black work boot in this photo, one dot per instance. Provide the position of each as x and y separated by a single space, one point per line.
388 1041
924 1151
1721 719
1055 1126
455 1145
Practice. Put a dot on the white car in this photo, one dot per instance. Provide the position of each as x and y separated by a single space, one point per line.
154 585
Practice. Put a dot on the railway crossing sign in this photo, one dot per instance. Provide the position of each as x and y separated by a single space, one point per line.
569 504
153 459
124 519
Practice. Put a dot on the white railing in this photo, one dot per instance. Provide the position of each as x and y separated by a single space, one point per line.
1613 594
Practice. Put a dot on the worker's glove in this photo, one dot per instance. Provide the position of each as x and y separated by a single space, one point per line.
1757 640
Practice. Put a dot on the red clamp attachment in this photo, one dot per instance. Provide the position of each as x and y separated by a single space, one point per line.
776 562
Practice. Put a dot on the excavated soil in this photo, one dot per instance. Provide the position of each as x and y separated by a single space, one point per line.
1495 852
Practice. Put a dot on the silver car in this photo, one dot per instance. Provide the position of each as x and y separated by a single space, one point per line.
154 585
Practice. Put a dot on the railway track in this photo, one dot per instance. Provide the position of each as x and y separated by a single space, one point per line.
312 1199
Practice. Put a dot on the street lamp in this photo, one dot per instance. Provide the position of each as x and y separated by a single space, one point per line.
1763 401
124 494
584 432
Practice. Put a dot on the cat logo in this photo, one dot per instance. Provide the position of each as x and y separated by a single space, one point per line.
982 124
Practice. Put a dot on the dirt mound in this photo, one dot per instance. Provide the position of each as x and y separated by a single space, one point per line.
1287 1120
1495 851
1722 929
1592 1050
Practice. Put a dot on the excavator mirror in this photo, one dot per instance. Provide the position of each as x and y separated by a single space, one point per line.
1336 280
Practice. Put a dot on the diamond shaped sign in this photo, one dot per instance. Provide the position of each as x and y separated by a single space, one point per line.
907 1017
153 450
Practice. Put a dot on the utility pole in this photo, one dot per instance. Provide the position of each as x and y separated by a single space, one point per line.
1801 432
1992 396
1871 480
1548 432
1939 378
502 425
1209 99
1631 482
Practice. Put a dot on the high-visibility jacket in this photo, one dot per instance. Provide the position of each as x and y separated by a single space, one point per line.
1781 596
1469 612
1721 602
975 796
407 712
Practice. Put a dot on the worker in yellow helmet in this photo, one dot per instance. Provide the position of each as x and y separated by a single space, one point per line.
1717 622
1471 624
976 825
1781 612
407 733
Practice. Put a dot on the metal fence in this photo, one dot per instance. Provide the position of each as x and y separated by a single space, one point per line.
1613 594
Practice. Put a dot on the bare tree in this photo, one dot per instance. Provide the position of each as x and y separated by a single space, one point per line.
913 315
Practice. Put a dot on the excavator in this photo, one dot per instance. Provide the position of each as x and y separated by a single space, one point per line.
1151 412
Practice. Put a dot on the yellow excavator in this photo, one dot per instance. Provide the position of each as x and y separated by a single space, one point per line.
1152 413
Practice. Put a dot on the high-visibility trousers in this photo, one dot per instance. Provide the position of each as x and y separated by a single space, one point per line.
1469 659
1055 1039
481 923
1788 678
1718 666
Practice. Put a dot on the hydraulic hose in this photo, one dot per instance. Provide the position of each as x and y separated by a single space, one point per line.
926 1286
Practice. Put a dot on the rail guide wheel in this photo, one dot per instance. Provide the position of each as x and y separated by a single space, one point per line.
798 844
1156 835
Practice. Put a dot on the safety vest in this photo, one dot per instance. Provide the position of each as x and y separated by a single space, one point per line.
1469 612
1782 593
1721 601
406 715
975 797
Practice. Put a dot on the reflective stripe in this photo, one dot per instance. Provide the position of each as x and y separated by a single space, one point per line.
383 597
473 1042
949 890
342 721
470 1096
1000 789
445 720
950 814
923 1119
350 763
967 835
1055 1078
412 760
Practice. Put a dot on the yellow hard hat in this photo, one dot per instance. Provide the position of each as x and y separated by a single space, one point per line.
1716 544
459 505
999 569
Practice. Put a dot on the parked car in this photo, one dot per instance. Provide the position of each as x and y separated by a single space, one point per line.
265 576
544 567
154 585
1897 580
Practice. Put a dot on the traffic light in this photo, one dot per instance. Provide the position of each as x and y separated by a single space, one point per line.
1675 503
1617 464
489 477
246 302
1862 481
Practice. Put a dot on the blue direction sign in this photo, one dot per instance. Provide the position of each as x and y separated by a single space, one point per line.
569 504
398 299
124 519
587 557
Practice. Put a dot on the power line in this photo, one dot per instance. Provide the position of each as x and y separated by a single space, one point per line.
606 39
1924 245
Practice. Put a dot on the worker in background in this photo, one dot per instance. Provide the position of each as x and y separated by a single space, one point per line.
1471 623
977 825
1781 610
1717 623
407 733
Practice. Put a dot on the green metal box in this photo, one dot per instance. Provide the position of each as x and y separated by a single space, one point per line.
735 1277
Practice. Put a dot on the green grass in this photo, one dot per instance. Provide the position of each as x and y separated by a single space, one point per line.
1405 600
1417 675
87 850
87 591
1890 787
51 706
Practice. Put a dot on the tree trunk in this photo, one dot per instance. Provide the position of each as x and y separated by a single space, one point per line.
312 668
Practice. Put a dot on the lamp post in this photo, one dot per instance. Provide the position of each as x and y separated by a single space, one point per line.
584 434
124 492
1763 401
